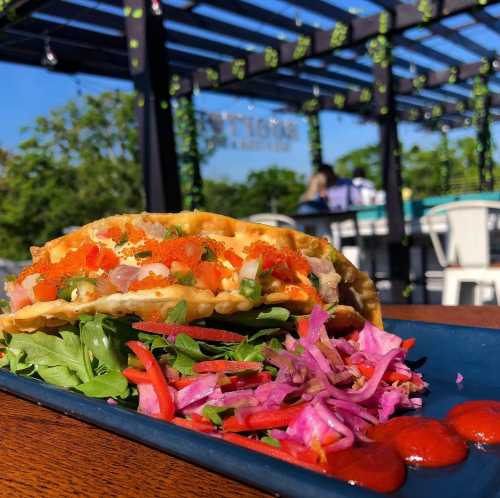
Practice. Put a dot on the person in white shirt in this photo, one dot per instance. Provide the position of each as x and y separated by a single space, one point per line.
366 188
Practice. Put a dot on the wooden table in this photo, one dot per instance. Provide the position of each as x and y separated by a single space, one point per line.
45 454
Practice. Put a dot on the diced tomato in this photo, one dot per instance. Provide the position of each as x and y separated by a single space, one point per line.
233 258
45 291
235 382
216 366
408 343
272 451
150 282
396 377
266 419
201 333
92 258
108 259
211 274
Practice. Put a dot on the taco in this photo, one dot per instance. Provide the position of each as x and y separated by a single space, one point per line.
145 264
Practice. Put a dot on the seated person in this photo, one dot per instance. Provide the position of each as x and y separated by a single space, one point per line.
366 192
314 199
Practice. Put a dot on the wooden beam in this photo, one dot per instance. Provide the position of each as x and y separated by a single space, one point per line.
147 56
14 10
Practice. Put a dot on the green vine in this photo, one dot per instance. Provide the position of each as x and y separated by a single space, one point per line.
436 111
413 114
425 8
302 47
453 77
479 96
212 76
271 57
310 105
175 85
339 35
485 66
379 49
238 68
365 95
4 4
383 23
191 181
460 106
339 100
313 133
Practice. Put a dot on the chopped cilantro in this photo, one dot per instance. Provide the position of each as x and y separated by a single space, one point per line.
208 254
185 278
123 239
314 280
173 232
143 254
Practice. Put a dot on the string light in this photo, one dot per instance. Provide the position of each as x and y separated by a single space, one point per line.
156 7
298 20
49 58
251 106
413 68
316 90
196 89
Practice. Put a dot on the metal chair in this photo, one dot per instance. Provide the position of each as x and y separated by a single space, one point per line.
273 219
468 271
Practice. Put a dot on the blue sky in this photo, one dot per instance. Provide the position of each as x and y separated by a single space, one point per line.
27 92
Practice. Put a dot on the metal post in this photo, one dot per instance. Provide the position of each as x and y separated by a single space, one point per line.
190 157
149 70
314 135
398 250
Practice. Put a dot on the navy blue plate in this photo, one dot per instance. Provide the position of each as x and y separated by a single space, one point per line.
474 352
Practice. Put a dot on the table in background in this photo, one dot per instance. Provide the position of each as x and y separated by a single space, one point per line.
46 454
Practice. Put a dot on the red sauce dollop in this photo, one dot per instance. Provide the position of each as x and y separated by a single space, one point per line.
374 466
477 421
421 441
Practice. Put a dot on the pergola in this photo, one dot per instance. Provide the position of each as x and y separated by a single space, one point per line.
377 66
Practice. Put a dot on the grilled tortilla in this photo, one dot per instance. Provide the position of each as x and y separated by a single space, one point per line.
145 264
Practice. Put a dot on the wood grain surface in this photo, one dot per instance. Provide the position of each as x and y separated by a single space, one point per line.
46 454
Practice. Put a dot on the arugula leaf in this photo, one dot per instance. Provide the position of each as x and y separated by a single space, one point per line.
188 346
208 254
111 384
314 280
102 345
259 318
213 413
185 278
251 289
247 352
184 364
266 333
215 351
178 314
270 440
153 341
59 376
52 351
275 344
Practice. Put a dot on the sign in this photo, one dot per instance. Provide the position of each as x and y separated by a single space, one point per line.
240 131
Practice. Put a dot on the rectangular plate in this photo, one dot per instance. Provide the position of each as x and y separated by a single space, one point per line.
473 352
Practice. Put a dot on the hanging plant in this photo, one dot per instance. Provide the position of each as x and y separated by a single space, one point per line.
175 85
485 66
452 78
383 23
413 114
365 95
238 68
339 100
212 76
479 95
271 57
310 105
313 133
339 35
436 111
419 82
379 49
302 47
460 106
425 8
187 143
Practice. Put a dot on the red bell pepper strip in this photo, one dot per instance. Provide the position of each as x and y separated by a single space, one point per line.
303 453
216 366
266 419
183 382
156 377
235 382
267 449
408 343
201 333
367 371
303 327
193 425
136 376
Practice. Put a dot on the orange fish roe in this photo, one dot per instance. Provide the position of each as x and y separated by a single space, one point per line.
233 258
38 267
150 282
113 233
283 263
134 234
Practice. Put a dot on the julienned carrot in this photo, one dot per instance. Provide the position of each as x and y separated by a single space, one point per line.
216 366
272 451
265 419
156 377
136 376
201 333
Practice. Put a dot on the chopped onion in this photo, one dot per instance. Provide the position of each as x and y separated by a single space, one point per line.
250 269
122 276
29 282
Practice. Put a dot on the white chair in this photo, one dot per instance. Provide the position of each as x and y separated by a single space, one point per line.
467 260
273 219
